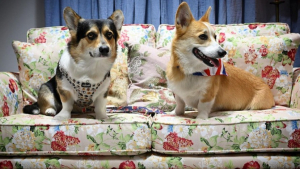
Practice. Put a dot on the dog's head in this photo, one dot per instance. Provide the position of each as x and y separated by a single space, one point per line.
94 39
195 41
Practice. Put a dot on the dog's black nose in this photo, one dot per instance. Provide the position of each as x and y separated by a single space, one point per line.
104 50
222 53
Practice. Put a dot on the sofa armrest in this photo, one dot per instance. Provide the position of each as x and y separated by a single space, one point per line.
11 98
295 97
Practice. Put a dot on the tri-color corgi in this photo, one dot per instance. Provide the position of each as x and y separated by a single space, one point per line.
83 72
194 49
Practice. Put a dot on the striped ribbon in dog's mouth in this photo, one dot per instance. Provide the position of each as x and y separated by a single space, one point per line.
207 60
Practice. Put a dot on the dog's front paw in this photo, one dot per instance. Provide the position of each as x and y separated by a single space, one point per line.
50 112
177 112
203 116
101 116
62 115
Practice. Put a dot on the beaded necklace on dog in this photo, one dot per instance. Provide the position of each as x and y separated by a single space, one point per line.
85 90
211 71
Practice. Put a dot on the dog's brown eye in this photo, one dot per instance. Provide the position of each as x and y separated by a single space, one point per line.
109 35
203 37
91 35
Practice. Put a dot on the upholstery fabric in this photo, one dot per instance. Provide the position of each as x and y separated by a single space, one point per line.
151 161
120 134
275 129
37 64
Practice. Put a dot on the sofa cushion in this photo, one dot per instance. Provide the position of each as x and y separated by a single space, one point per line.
268 57
266 50
165 32
254 29
147 77
142 33
120 134
269 130
157 161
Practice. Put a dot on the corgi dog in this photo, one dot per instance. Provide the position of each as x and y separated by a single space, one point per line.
194 49
83 72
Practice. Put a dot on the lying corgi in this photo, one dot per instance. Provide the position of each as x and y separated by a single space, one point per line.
194 49
83 72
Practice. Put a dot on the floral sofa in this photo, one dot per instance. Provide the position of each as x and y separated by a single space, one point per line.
140 133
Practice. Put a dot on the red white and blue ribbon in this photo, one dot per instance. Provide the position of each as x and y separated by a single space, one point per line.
212 71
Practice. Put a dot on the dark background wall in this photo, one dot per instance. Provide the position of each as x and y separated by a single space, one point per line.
17 16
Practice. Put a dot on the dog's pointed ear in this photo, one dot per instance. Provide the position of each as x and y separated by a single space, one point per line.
118 18
205 17
184 16
71 18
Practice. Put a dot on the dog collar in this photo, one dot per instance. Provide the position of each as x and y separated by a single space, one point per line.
85 90
212 71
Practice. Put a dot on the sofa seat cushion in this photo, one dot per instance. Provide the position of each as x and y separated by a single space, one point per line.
120 134
276 129
151 161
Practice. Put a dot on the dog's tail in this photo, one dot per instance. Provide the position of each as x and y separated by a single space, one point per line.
31 109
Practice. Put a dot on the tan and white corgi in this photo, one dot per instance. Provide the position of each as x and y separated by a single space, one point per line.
195 48
83 72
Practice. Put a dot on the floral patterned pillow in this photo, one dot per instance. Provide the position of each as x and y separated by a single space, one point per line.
147 76
166 32
37 64
253 29
138 33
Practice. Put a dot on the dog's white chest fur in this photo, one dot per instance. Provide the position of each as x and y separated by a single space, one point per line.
83 71
191 89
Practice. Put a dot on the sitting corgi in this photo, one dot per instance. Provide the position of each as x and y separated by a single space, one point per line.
194 49
83 72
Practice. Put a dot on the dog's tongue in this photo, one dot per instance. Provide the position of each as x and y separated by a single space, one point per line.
215 62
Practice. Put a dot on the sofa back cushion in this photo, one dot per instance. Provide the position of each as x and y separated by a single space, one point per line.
59 35
266 50
165 33
268 57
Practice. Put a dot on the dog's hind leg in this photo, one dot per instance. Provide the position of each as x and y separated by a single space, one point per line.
263 99
47 103
204 108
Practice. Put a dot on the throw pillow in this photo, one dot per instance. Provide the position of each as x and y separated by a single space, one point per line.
147 77
37 64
